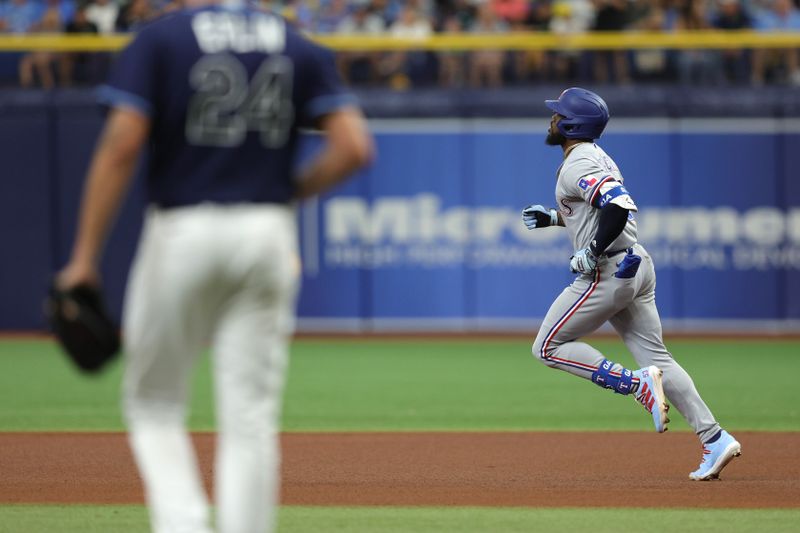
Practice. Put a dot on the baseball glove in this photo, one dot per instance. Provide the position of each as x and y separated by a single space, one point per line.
80 321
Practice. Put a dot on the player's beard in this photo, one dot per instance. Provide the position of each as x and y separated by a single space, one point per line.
555 138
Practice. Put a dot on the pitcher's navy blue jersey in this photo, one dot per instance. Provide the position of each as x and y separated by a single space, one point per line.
226 89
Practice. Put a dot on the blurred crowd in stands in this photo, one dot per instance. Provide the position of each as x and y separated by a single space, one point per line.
479 68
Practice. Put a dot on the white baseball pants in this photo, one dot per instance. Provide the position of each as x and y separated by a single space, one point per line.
224 276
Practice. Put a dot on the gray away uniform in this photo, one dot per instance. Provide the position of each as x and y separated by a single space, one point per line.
587 180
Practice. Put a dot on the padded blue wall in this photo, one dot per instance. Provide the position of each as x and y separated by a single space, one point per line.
733 267
431 235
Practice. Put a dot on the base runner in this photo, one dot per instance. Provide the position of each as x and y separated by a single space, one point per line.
616 283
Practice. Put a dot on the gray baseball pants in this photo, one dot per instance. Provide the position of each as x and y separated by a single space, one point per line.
629 305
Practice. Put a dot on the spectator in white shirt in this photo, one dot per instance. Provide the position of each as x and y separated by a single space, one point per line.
104 14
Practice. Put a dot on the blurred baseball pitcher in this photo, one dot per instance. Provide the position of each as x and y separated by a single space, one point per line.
218 93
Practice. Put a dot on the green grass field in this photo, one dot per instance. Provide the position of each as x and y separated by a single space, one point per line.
404 385
133 518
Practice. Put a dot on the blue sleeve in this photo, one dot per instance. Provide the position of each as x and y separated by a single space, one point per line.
321 90
132 82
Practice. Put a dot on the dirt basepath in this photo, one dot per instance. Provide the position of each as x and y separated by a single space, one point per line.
434 469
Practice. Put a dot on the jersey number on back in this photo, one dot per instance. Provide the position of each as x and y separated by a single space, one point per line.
225 106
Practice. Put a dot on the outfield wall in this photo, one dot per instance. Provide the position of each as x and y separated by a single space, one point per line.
430 238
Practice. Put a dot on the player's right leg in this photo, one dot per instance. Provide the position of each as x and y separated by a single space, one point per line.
165 326
250 360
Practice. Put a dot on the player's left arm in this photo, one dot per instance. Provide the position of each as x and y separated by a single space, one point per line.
615 204
612 221
112 168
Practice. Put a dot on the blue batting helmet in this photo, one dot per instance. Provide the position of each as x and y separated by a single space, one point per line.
585 113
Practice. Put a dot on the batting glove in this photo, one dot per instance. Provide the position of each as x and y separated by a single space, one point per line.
583 262
537 216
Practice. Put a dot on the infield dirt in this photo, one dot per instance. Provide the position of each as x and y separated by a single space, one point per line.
434 469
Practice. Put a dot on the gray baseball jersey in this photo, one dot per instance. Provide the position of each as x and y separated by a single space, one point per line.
620 291
588 179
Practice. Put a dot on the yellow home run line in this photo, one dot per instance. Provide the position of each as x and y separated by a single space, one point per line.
458 42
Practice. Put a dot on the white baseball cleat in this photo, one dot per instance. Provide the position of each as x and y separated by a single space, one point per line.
716 456
651 395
